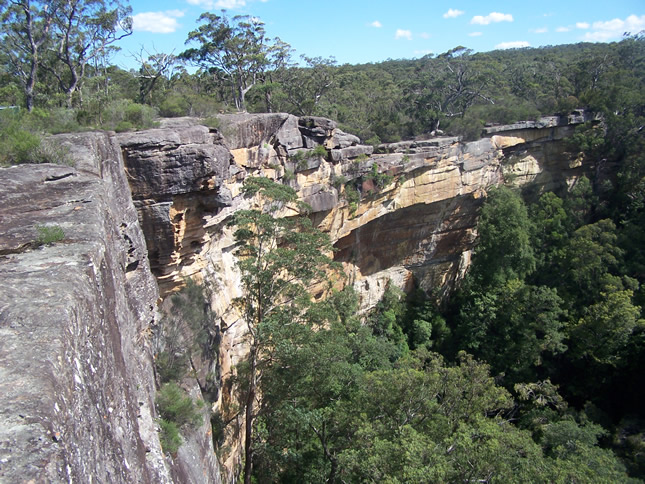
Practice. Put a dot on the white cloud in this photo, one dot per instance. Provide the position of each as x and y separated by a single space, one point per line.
474 34
226 4
453 13
424 35
403 34
492 17
513 45
582 25
376 24
562 29
541 30
422 52
613 29
157 22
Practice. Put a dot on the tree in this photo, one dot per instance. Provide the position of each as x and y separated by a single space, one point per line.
278 258
606 327
446 87
305 86
236 51
156 66
24 31
512 326
85 29
504 248
591 260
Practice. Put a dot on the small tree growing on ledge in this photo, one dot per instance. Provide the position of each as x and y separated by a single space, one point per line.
278 258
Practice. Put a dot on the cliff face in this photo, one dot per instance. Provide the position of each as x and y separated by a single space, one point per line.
417 208
78 317
403 212
76 379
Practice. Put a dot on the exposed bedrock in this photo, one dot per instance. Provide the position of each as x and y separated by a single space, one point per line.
419 215
76 376
403 213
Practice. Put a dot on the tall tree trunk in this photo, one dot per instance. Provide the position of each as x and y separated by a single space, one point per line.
248 419
29 91
267 100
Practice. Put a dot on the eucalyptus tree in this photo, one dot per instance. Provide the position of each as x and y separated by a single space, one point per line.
25 29
446 87
305 86
83 31
236 51
152 68
279 257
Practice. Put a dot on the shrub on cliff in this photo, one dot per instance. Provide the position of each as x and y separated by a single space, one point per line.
176 410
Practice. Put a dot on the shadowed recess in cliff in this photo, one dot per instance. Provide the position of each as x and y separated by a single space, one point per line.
411 236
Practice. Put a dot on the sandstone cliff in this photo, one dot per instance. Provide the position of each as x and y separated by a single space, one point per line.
77 317
76 380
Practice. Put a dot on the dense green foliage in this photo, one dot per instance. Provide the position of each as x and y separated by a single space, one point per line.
555 292
239 67
185 333
279 257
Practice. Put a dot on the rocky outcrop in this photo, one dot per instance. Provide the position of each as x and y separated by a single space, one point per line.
417 200
403 212
76 377
176 176
77 316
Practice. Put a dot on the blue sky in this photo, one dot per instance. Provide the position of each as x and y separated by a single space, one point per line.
361 31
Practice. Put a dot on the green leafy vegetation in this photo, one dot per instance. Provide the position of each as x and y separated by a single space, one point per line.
169 436
278 259
353 197
187 332
176 410
48 234
23 140
381 180
457 92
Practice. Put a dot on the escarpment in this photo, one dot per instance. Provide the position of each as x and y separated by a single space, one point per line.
143 211
402 211
76 313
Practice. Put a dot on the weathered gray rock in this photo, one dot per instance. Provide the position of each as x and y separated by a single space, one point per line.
351 152
577 116
167 177
165 162
320 197
76 378
340 139
313 122
248 130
